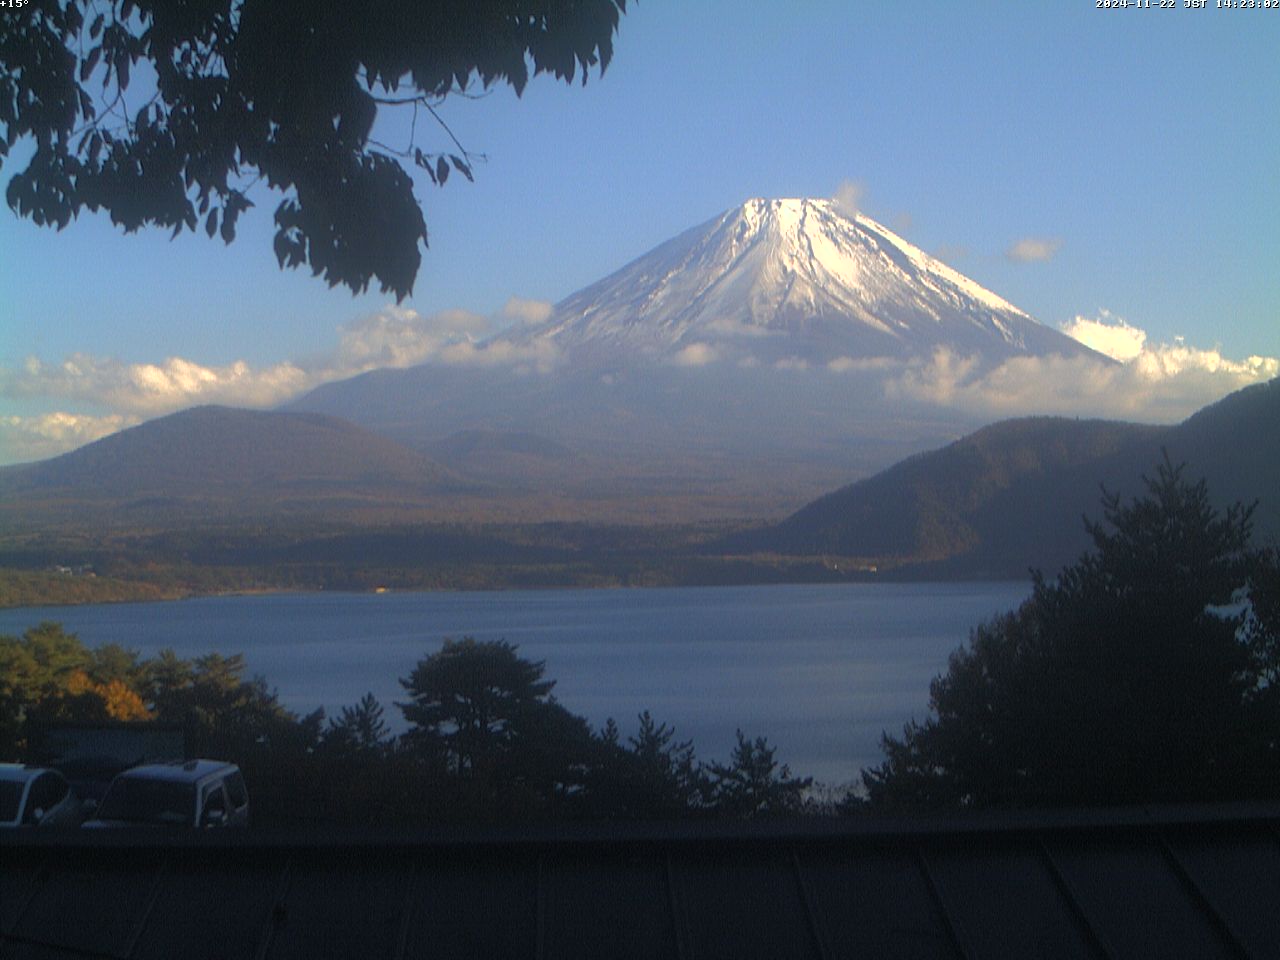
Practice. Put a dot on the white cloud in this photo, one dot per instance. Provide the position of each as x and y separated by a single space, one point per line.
538 355
397 337
1033 249
48 434
153 388
527 312
1022 385
1113 336
1153 382
791 363
848 197
1108 335
858 364
392 337
1178 359
1159 383
695 355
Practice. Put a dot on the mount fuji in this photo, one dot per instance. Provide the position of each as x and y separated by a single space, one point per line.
738 368
778 279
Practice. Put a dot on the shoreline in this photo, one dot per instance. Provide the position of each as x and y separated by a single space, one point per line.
52 591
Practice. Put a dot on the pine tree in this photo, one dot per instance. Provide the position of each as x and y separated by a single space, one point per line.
1128 678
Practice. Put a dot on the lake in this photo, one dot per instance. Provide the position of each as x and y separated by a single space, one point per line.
821 670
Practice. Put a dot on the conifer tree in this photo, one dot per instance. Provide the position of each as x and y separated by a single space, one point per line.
1130 677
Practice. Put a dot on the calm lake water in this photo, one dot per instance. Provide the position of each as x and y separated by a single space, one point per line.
819 670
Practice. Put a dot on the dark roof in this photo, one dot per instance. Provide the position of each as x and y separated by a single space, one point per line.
1197 882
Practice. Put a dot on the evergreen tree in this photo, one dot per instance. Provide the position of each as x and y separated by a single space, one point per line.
1262 623
754 784
652 776
668 780
466 701
1126 679
361 728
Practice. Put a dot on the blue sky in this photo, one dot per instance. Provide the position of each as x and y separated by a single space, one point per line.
1132 153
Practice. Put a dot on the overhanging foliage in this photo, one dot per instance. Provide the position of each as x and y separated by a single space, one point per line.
167 114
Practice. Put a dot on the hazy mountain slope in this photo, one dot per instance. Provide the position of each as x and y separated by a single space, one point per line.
215 446
755 442
1012 495
480 443
956 500
228 460
509 456
1235 445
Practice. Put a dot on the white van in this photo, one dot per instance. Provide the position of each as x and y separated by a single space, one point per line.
191 793
35 797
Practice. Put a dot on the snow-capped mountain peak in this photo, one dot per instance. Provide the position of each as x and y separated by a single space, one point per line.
790 278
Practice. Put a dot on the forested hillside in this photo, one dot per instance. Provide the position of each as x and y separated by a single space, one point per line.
1010 496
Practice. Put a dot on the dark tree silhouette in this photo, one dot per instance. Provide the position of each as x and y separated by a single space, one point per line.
469 701
225 715
668 777
361 728
754 784
488 742
1262 624
652 776
1129 678
166 114
486 717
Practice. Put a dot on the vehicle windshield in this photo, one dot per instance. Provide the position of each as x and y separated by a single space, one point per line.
10 799
137 800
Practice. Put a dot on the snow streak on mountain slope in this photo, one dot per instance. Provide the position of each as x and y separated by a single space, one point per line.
789 279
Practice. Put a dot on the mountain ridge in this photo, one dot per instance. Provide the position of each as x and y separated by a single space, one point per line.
999 501
1002 500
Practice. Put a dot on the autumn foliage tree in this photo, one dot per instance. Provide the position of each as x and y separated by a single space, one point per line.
168 114
47 675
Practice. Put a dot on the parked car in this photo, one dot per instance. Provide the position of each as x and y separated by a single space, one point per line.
191 793
90 776
36 797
